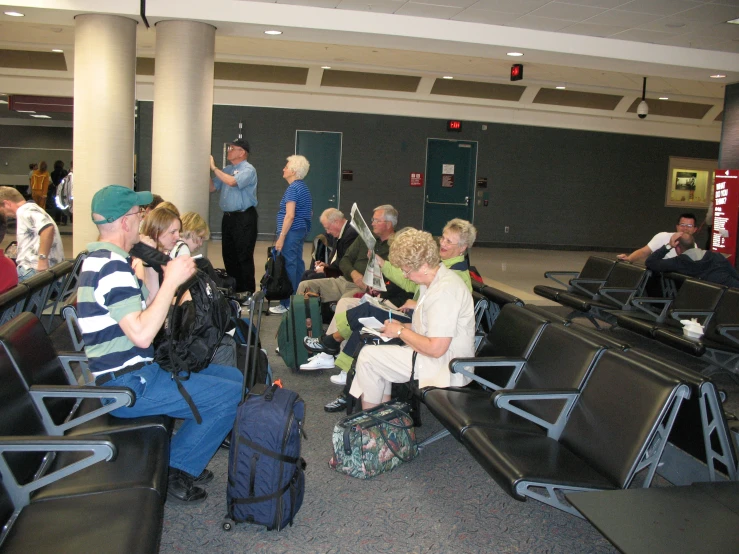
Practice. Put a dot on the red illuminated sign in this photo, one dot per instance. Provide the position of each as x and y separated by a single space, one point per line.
725 213
516 72
416 179
453 125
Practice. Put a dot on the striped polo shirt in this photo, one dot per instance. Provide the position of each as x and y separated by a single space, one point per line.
108 291
297 192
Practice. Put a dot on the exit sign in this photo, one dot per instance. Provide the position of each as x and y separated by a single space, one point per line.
454 126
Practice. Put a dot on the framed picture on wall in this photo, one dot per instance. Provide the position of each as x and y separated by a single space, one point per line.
690 182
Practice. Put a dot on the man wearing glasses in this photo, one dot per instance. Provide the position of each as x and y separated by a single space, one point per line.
119 322
238 185
685 224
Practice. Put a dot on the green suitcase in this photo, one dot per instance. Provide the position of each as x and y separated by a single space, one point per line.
293 329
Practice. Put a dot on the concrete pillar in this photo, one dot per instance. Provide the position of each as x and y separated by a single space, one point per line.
183 114
104 93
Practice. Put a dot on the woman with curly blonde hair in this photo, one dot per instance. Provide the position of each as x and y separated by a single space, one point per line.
442 328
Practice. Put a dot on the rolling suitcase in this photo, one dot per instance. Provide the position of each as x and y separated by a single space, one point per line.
293 328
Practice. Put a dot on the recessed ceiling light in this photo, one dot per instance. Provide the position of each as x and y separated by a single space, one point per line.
38 116
325 67
514 54
57 50
561 87
663 98
447 77
272 32
733 21
26 111
718 76
15 14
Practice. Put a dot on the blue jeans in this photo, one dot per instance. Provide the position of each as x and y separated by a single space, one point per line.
25 273
216 391
292 250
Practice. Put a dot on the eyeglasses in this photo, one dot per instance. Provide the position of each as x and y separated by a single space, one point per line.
447 241
232 147
375 220
686 225
407 272
135 213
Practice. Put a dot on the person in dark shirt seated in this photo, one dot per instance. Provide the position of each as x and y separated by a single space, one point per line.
693 262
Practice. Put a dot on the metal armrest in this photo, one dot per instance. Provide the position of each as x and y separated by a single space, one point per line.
608 291
459 365
642 303
575 283
67 359
100 448
120 396
726 331
552 275
687 314
503 399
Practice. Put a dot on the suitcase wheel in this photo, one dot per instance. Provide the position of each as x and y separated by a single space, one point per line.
227 524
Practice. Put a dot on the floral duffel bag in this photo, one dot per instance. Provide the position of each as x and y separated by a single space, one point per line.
374 441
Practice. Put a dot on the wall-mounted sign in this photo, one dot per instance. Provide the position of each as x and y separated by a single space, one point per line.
725 212
482 183
416 179
347 175
454 126
447 181
447 169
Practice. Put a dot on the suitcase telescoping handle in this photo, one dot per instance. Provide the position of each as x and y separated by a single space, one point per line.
256 303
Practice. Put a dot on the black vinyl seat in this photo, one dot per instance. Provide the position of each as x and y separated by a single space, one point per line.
586 282
616 427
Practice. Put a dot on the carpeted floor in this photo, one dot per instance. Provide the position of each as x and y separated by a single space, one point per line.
441 502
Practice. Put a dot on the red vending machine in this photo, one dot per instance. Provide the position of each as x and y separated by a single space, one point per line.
726 213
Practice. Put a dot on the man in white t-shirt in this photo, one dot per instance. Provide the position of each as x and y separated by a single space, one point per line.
39 242
685 224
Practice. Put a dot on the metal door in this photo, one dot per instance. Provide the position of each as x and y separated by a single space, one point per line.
323 150
451 170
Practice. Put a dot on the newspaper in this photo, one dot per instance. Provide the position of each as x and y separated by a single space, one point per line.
373 274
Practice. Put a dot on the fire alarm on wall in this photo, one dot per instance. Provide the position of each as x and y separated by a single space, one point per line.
516 72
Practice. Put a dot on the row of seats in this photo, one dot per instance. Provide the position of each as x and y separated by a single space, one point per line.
560 408
42 293
600 287
74 478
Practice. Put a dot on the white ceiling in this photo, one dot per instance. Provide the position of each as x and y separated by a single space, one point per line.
590 45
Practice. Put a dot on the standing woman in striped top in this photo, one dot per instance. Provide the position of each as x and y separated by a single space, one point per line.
293 222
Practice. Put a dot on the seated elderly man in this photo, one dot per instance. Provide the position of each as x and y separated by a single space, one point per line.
343 234
354 262
119 325
442 328
693 262
685 224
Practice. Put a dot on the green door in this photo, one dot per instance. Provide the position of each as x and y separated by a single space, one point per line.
323 150
451 170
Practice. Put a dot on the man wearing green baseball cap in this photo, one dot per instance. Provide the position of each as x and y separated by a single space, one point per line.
119 324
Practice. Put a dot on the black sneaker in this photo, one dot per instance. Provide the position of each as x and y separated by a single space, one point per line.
336 405
204 478
181 487
313 344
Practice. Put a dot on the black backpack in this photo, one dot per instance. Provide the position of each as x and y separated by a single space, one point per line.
275 283
193 329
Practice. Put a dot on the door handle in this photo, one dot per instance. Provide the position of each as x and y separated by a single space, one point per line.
465 203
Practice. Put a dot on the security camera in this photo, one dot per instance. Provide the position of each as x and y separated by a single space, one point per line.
642 110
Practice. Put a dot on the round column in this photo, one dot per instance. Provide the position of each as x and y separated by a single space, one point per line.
183 114
104 96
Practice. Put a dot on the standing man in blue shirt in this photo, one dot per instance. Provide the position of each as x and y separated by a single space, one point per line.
238 185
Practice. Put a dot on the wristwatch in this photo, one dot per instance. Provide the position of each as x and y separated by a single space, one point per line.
400 330
43 257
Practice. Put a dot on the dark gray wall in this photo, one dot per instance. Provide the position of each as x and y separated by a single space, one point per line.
552 187
729 155
21 145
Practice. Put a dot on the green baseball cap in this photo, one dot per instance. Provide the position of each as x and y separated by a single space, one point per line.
113 201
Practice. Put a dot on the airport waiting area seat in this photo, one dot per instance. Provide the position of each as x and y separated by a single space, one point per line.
70 480
603 286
